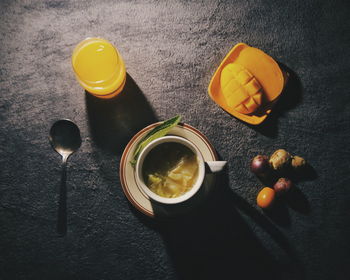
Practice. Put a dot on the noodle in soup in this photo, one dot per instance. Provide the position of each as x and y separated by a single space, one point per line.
170 169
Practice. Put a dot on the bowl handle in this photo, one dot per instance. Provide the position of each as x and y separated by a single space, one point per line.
215 166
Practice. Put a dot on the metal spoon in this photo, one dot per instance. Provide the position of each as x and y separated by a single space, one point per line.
65 139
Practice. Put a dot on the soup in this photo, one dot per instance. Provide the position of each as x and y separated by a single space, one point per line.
170 169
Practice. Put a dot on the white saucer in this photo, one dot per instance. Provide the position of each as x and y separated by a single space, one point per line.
138 197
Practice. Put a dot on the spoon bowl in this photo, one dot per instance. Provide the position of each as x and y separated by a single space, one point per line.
65 138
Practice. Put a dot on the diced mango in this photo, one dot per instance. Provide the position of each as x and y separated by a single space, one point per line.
241 90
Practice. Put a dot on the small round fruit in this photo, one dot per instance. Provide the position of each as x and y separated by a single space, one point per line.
298 162
265 197
280 159
282 186
260 165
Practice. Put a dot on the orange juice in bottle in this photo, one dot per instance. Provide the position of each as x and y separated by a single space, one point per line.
99 68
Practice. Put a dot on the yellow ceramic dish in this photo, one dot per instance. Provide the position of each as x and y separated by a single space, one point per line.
247 83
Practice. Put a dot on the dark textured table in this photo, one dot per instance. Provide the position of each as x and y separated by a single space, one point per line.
171 49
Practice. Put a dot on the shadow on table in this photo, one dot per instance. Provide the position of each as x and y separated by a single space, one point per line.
214 242
290 98
112 122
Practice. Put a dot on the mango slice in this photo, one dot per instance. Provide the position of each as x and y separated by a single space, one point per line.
240 88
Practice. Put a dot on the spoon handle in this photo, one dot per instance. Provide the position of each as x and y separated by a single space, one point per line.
62 204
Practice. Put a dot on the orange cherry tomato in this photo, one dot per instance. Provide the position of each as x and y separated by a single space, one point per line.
265 197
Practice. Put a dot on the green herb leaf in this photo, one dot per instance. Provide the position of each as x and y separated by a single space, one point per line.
159 131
